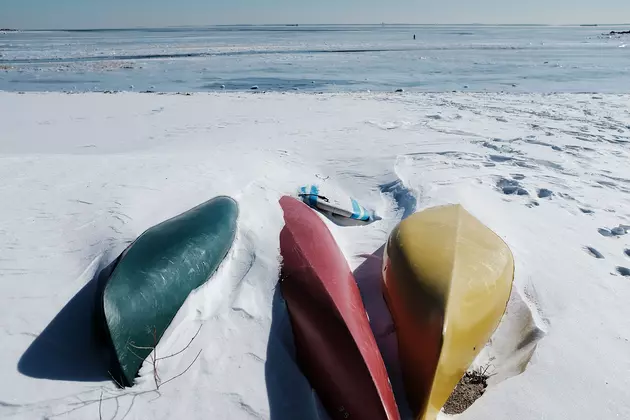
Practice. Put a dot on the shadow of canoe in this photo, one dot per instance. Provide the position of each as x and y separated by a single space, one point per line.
370 281
290 394
70 348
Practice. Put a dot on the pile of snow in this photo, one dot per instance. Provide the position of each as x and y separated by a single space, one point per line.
85 174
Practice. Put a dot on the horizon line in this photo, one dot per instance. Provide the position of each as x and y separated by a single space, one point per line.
104 28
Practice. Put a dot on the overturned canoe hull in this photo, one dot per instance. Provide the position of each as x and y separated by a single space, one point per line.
145 287
447 281
335 346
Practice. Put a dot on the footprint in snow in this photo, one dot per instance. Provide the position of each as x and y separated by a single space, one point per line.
491 146
623 271
595 253
533 204
605 184
500 158
510 190
533 140
549 164
605 232
568 197
525 164
617 231
511 187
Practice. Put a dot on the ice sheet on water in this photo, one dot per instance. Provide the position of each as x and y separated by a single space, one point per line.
345 57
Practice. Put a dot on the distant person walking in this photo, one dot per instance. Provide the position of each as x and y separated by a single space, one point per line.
414 36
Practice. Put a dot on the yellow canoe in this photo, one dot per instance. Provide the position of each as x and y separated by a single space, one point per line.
447 280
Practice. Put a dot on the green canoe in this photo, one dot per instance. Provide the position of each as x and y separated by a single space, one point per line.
153 277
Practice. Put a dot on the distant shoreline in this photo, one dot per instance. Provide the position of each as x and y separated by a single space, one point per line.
310 25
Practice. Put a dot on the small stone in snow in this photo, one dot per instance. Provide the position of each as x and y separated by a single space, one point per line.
399 90
222 86
627 252
465 86
544 193
254 87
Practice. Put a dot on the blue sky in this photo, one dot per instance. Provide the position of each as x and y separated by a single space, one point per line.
155 13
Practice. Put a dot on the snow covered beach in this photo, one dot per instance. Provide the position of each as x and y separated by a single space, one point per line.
85 174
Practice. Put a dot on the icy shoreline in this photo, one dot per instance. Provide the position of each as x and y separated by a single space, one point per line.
83 174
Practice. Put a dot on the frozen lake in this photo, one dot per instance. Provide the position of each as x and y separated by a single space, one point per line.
319 58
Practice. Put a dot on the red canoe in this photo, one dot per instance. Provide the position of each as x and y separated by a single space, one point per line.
335 346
